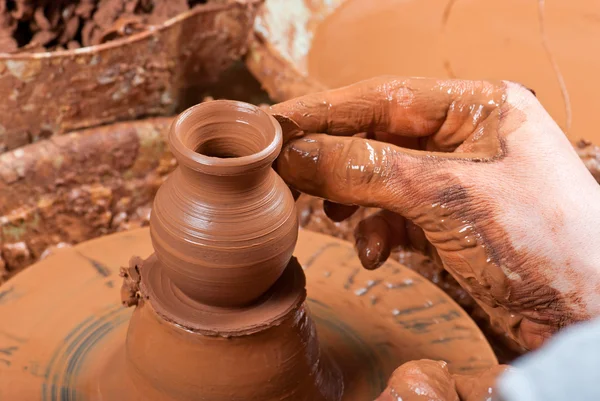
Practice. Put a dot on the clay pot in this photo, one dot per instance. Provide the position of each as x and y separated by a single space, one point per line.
224 224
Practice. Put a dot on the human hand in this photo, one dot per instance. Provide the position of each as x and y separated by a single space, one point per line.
430 380
474 173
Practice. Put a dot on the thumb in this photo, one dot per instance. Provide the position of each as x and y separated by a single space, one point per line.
357 171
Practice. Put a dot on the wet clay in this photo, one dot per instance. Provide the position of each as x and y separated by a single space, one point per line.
268 351
73 340
42 25
220 304
421 381
224 224
550 47
480 386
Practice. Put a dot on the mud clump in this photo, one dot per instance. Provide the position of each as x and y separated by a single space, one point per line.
29 26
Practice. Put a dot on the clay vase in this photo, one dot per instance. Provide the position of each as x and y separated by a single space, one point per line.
224 224
221 313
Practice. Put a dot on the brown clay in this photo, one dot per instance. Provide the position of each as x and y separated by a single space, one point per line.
43 25
480 386
590 155
112 191
224 223
268 351
303 47
150 73
312 217
421 381
181 345
52 195
64 190
73 339
220 313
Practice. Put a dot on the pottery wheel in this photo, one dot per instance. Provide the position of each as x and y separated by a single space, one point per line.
62 320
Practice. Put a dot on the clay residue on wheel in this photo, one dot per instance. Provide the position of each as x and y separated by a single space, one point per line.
130 289
49 25
312 217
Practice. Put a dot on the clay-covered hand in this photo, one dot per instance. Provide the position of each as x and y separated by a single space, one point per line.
474 173
425 380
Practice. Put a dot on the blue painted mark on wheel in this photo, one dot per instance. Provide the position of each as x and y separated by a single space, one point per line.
66 362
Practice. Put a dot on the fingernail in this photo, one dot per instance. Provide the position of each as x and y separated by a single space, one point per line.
289 128
360 243
370 252
372 259
298 166
305 148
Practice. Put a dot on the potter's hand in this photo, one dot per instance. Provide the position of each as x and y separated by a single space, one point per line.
430 380
475 173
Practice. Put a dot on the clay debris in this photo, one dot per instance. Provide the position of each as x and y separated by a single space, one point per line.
49 25
130 289
62 190
590 155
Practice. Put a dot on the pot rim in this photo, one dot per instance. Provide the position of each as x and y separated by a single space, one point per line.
220 166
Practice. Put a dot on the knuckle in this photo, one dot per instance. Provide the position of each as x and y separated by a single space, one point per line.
519 95
358 160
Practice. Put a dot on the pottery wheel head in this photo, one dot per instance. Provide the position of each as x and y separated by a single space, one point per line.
369 322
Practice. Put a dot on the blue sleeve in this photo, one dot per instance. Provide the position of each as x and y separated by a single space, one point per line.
567 368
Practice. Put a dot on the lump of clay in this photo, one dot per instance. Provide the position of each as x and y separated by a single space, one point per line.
49 25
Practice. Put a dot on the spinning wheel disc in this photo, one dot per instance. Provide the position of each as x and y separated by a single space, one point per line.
63 324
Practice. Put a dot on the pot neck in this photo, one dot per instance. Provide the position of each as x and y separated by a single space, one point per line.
226 183
225 138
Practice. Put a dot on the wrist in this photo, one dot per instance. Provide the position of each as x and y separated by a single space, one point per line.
581 270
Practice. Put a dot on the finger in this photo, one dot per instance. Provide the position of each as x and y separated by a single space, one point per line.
356 171
376 236
400 106
401 141
338 212
480 385
289 128
381 233
420 380
415 238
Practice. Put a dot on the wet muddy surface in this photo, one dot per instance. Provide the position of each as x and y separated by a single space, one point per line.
50 25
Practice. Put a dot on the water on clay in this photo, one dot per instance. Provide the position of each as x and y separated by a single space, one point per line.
551 47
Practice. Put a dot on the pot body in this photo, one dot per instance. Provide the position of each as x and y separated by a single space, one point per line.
224 224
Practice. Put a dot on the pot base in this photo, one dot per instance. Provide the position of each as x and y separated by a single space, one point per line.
369 322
